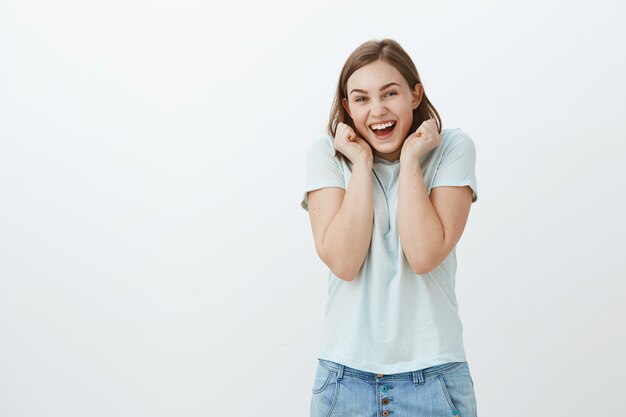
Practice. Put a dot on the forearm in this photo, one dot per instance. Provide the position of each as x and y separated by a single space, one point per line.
421 232
347 239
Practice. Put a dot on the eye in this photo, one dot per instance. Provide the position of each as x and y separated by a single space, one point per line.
360 99
391 93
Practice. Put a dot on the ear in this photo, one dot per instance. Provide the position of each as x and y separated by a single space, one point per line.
418 93
346 106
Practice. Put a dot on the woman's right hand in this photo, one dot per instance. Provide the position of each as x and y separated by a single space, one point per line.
352 146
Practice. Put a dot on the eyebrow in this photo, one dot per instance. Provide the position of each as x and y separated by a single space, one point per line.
356 90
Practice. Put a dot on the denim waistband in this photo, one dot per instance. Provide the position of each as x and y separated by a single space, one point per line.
417 376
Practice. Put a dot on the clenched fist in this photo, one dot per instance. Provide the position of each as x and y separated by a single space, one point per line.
420 142
352 146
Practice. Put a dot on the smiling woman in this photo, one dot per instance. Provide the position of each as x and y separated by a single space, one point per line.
384 116
380 72
388 195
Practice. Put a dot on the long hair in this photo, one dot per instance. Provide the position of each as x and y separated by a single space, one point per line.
391 52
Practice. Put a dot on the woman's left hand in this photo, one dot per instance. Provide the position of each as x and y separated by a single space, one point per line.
420 142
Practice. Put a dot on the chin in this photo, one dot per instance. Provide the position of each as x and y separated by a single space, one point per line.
387 151
386 146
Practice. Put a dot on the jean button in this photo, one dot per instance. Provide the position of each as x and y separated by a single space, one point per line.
385 401
379 375
385 413
384 388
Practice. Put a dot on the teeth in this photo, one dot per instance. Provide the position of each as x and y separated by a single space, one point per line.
380 126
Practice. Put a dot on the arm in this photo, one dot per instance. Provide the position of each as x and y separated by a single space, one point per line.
429 227
342 222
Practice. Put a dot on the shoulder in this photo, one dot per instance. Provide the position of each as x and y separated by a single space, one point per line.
455 143
322 160
321 144
323 167
321 152
455 137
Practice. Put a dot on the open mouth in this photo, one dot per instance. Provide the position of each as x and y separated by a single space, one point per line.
383 130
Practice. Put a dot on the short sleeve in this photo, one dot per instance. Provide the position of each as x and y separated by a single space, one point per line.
323 169
458 163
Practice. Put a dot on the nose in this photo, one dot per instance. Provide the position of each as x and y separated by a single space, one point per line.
378 108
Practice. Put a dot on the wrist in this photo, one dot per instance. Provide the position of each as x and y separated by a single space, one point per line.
409 161
363 161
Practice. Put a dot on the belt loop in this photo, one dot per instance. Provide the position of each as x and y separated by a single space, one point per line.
340 372
418 377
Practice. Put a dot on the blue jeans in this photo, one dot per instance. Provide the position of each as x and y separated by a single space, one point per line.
439 391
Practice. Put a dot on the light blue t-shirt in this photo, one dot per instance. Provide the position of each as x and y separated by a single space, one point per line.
390 319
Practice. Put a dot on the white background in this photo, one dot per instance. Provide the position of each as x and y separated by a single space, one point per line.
155 261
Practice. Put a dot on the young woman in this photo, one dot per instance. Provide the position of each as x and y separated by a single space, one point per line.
388 194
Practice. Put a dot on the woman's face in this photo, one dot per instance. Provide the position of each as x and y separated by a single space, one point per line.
381 104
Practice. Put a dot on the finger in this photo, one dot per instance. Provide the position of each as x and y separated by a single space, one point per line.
343 132
415 134
427 127
433 123
421 131
363 143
